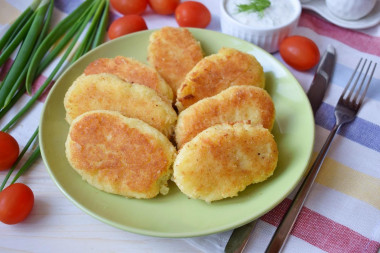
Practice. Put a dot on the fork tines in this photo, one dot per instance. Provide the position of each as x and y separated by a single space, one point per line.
365 81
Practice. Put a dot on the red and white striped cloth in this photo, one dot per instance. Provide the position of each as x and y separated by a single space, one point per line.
342 213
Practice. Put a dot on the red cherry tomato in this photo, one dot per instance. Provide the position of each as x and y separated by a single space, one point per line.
192 14
16 202
163 7
125 25
299 52
129 6
9 150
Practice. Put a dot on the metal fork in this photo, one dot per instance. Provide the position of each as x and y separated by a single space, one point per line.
345 111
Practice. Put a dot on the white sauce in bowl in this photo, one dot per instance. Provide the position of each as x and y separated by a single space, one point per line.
279 13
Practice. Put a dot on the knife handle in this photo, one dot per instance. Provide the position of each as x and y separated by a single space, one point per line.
283 230
239 238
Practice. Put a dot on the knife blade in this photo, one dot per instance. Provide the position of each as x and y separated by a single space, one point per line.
240 236
321 78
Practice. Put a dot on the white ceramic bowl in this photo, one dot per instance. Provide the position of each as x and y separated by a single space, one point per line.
350 9
267 38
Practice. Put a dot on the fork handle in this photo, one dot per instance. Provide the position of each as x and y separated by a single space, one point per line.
282 233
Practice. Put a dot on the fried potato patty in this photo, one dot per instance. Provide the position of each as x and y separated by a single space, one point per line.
120 155
237 103
223 160
108 92
132 71
173 52
217 72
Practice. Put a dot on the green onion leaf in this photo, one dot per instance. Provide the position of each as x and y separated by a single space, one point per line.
87 40
32 158
52 37
16 26
15 42
102 27
7 89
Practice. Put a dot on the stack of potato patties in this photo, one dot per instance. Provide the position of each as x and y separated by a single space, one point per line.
223 128
121 116
122 119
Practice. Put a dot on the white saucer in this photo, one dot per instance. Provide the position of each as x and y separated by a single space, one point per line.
319 6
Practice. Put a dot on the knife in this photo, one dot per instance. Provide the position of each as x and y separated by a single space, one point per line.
321 78
240 236
320 82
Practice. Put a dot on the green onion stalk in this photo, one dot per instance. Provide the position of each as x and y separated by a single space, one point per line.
7 88
74 25
42 35
18 24
15 42
11 101
53 37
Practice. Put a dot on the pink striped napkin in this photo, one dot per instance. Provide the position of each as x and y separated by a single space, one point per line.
342 213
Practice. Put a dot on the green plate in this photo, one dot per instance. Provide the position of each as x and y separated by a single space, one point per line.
175 215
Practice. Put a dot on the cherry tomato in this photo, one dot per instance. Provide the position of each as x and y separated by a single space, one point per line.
163 7
299 52
125 25
16 202
192 14
129 6
9 150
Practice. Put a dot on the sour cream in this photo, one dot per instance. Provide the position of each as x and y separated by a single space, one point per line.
279 13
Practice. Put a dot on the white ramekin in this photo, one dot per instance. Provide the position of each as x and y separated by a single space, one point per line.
350 9
267 38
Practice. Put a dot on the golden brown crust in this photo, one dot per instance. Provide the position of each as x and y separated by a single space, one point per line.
223 160
237 103
119 155
132 71
108 92
217 72
173 52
